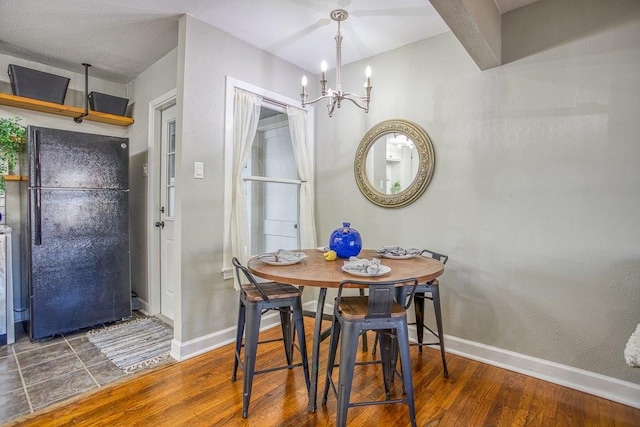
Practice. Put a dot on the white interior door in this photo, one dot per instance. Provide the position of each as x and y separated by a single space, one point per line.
167 211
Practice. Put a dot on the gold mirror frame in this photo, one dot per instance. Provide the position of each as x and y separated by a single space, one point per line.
426 165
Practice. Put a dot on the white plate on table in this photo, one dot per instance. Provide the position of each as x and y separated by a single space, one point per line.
323 248
384 269
271 259
392 256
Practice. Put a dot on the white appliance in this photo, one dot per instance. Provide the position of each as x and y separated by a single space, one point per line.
7 330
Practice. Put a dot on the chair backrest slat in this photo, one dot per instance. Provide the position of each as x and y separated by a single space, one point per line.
435 255
380 300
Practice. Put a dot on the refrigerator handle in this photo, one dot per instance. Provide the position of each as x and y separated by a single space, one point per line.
37 178
38 218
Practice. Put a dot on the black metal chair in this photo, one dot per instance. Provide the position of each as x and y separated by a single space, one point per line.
255 300
429 291
378 312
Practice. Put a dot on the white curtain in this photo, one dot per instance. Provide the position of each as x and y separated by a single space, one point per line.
298 130
246 114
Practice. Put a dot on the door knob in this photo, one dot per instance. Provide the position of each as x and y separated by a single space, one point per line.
160 224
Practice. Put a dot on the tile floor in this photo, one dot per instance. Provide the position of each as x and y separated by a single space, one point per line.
36 375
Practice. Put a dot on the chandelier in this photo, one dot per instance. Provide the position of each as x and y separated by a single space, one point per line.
335 97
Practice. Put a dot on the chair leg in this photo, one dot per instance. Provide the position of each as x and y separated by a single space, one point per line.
418 305
253 315
331 360
405 360
287 337
239 334
298 320
293 333
365 344
348 351
435 293
386 355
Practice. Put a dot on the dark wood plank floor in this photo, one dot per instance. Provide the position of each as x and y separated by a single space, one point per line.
199 392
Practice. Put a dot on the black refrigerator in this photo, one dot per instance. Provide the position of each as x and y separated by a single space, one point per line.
75 203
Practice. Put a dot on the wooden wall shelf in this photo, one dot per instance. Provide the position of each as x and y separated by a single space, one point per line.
15 177
62 110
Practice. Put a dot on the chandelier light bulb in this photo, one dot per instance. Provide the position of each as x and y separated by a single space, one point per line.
367 83
323 66
304 81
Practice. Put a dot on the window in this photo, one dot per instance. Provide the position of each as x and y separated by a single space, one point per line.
170 165
269 197
271 185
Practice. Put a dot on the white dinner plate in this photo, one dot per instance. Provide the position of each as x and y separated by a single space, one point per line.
323 248
392 256
384 269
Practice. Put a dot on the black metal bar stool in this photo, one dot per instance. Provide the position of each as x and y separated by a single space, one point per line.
378 312
428 291
255 300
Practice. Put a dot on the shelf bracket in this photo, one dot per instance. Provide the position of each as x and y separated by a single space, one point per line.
86 94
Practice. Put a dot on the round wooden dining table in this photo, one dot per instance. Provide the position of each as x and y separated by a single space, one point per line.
315 271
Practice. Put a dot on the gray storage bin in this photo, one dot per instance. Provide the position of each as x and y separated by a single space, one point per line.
37 84
108 103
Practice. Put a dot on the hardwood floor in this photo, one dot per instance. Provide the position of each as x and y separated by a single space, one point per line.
199 392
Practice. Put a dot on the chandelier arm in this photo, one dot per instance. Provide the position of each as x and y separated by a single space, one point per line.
356 102
332 105
353 95
320 98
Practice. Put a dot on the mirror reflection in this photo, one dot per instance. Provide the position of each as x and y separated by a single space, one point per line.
392 163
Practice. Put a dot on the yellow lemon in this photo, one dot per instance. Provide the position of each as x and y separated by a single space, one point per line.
330 255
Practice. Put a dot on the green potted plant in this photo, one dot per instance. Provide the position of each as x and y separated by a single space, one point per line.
12 140
395 188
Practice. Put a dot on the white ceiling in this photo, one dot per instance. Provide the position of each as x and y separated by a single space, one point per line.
121 38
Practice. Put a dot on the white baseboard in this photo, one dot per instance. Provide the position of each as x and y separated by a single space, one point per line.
187 350
599 385
144 305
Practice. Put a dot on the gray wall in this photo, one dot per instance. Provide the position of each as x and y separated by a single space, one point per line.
206 55
535 194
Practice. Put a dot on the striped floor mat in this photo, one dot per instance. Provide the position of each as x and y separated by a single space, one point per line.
135 344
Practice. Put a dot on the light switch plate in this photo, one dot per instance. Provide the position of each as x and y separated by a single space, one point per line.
198 170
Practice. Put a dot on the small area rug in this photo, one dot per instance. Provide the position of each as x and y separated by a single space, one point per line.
135 344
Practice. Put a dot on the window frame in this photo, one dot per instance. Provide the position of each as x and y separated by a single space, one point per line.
268 97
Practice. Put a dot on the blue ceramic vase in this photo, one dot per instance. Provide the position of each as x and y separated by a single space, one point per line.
346 241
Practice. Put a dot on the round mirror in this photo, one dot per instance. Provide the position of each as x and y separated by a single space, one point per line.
394 163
